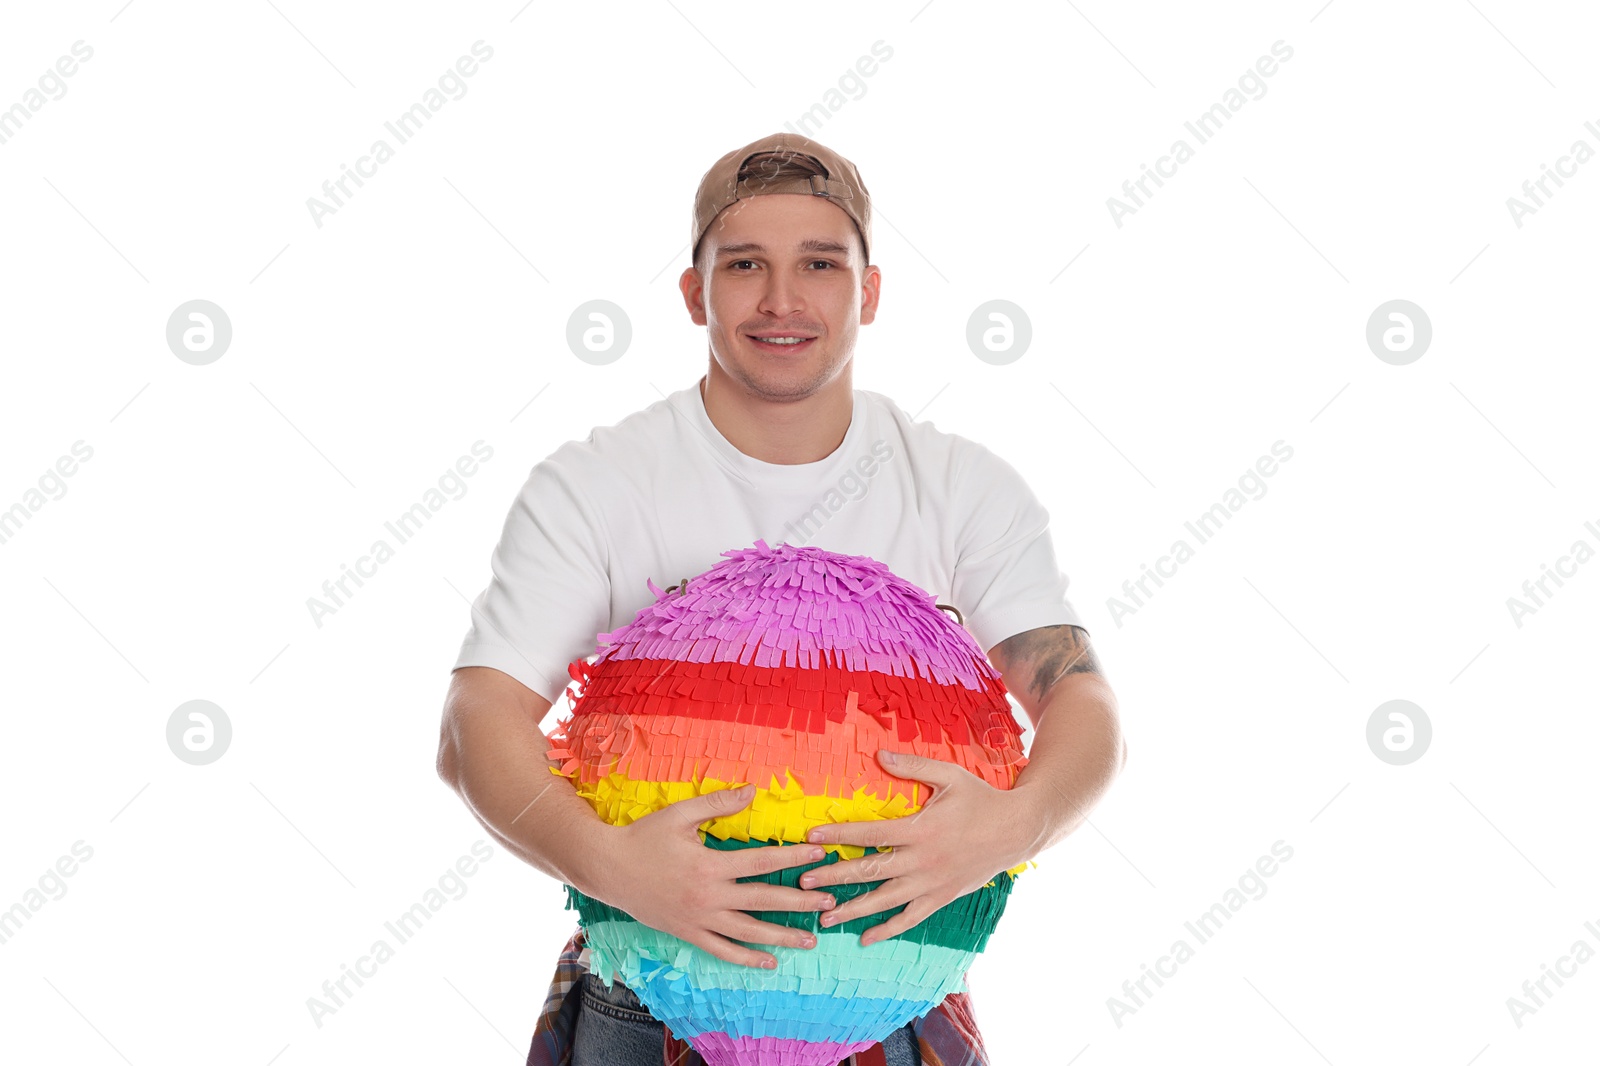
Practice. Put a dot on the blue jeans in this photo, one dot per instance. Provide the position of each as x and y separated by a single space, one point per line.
615 1029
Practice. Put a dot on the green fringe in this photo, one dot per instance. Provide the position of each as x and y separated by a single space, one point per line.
964 924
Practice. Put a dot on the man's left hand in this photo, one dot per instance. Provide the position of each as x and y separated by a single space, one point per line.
959 841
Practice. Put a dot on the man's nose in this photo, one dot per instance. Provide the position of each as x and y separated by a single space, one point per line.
782 296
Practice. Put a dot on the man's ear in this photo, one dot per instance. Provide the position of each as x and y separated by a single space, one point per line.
871 280
693 295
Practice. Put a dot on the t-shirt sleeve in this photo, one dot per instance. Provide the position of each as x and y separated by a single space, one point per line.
550 594
1007 580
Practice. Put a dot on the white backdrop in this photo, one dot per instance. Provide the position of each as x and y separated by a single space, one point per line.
1172 347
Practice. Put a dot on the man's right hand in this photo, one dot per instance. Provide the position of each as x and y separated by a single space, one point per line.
658 871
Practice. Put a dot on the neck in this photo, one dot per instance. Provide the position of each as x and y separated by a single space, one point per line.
784 433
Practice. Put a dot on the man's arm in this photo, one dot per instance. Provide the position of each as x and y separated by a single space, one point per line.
1077 744
949 849
493 753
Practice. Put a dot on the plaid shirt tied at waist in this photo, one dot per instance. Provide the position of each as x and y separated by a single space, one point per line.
946 1036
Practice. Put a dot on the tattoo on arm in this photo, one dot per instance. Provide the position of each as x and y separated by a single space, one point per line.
1044 656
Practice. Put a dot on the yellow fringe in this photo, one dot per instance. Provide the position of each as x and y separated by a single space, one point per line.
781 813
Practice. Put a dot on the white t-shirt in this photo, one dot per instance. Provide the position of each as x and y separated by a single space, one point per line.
662 494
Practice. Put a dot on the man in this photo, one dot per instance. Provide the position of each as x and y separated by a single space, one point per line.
772 443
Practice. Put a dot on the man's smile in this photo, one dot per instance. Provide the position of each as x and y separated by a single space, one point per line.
782 343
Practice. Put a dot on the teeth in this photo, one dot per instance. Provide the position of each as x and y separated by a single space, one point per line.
782 340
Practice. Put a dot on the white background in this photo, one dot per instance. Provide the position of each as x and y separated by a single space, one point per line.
1228 313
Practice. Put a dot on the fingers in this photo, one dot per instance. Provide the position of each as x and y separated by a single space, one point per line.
873 866
730 951
885 897
719 941
746 927
718 804
763 862
763 897
756 862
880 833
910 918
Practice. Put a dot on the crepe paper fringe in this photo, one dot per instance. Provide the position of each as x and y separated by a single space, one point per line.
983 905
775 815
788 668
788 605
671 748
695 1003
965 923
720 1049
813 702
669 979
922 974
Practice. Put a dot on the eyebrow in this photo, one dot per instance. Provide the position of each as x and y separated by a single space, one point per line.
810 244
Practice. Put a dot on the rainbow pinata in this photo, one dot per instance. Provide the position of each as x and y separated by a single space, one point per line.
787 668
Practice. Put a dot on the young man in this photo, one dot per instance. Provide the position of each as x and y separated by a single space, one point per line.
772 443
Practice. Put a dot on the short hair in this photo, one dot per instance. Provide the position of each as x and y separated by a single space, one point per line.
766 168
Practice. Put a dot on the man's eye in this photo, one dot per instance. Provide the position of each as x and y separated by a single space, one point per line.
734 264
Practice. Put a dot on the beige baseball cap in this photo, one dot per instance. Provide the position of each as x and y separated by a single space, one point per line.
747 171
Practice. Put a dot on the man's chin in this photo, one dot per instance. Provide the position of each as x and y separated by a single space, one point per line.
780 385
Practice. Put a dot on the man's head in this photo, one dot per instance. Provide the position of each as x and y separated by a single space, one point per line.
781 239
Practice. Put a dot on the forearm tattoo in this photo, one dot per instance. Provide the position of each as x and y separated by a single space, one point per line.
1039 658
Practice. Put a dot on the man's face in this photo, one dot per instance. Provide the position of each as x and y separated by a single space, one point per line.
782 265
